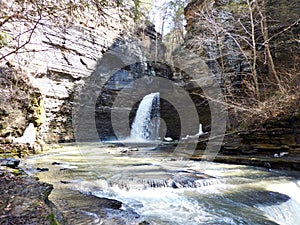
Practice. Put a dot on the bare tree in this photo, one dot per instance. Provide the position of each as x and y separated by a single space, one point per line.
251 8
246 25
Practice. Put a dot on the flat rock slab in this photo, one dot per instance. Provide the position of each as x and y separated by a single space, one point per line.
24 200
288 163
85 208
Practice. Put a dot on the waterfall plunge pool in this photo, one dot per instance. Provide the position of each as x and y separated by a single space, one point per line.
164 190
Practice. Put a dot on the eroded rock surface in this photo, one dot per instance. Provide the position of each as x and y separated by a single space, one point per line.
24 200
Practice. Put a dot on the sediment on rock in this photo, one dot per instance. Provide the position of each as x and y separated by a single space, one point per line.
24 200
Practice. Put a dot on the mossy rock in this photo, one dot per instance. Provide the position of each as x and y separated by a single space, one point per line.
37 110
52 219
5 140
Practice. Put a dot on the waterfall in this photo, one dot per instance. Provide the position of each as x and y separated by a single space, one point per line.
145 126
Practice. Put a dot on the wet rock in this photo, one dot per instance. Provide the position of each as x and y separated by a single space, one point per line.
272 145
64 169
144 223
246 149
286 163
142 164
124 150
24 200
128 150
65 182
133 149
85 207
161 179
190 179
265 198
42 169
9 162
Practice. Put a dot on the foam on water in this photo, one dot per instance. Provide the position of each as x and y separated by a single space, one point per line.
233 194
163 203
287 212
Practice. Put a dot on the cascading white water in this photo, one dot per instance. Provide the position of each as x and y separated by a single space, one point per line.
231 195
145 126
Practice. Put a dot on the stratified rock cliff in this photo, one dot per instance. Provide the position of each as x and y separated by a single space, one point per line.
60 56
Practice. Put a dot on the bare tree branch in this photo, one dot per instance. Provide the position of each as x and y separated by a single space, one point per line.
27 41
296 23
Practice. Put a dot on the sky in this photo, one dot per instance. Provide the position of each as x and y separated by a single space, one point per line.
156 16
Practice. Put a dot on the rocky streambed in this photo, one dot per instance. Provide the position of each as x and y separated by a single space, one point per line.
24 199
96 183
93 184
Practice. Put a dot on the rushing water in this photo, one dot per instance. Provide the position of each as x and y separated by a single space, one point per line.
146 122
169 190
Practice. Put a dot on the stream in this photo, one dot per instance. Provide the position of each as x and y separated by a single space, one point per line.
165 189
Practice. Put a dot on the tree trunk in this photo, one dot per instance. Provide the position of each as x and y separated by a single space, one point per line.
254 64
265 34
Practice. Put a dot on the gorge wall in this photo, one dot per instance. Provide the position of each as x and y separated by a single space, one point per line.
63 60
220 31
59 58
